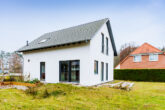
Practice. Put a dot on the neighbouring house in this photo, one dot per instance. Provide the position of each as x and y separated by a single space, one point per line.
144 57
83 54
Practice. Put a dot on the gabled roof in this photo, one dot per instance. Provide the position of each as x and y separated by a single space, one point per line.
143 49
146 48
70 35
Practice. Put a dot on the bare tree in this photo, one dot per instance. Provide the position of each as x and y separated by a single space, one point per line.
15 63
2 56
126 49
163 49
116 60
1 64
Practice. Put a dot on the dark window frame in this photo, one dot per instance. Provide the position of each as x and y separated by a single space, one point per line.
106 71
96 62
102 46
107 46
102 71
69 71
42 76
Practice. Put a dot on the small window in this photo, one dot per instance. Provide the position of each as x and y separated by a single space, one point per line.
96 67
137 58
153 57
107 46
102 49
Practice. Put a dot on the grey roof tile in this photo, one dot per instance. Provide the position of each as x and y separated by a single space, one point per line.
65 36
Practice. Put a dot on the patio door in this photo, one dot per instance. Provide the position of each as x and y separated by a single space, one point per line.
70 71
75 71
64 68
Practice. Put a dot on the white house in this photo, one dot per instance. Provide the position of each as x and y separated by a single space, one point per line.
83 54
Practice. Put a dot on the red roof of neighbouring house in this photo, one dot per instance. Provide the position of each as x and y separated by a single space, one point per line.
146 48
143 49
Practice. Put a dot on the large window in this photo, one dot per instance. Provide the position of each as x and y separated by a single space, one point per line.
102 49
107 46
137 58
42 71
106 71
75 71
153 57
102 71
70 71
64 70
96 67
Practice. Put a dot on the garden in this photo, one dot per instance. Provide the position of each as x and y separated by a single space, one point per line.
143 96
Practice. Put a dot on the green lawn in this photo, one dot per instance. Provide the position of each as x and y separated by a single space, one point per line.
144 96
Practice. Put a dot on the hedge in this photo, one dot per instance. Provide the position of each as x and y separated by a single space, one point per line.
154 75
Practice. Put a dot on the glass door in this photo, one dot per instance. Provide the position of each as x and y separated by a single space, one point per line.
70 71
75 69
64 68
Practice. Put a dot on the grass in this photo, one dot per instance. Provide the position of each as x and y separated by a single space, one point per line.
144 96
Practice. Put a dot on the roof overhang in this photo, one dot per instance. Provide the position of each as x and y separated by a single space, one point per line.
111 37
159 53
53 46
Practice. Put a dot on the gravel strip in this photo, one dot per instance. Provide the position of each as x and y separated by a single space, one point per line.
14 87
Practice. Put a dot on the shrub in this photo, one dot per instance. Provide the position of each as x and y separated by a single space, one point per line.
7 78
58 92
14 78
155 75
19 79
49 90
45 93
32 91
34 81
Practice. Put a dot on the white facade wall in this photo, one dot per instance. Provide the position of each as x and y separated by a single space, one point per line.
52 57
86 53
96 54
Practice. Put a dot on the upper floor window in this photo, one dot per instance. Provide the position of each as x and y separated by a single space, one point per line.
153 57
102 49
137 58
107 46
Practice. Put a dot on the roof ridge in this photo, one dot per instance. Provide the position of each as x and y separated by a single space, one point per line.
150 46
106 19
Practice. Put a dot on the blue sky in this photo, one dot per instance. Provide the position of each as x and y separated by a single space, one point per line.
136 21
